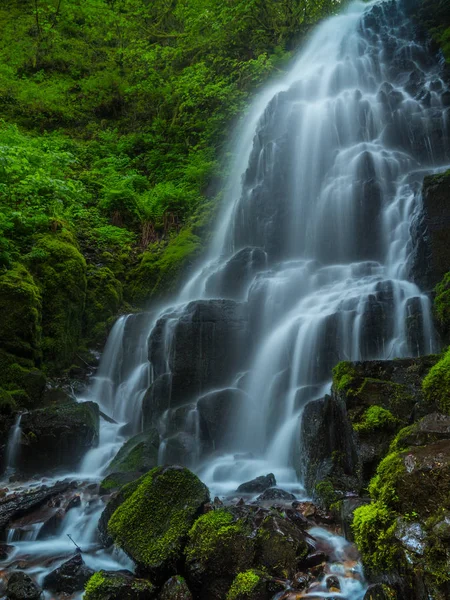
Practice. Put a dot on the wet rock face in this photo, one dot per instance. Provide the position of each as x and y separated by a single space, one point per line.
58 436
22 587
70 577
258 485
120 585
235 276
431 232
193 350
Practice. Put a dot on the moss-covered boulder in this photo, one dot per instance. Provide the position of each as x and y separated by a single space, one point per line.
22 379
58 436
118 586
104 296
441 306
219 547
175 589
60 270
20 315
153 522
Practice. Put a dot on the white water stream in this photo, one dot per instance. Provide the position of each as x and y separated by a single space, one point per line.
327 173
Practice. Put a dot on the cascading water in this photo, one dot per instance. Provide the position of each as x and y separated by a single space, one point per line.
308 266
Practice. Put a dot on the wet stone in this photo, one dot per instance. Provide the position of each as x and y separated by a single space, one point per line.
275 494
257 485
70 577
22 587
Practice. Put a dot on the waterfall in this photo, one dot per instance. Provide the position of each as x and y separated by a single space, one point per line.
13 447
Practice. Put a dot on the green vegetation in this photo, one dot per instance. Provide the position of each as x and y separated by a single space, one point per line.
244 585
343 376
435 15
139 453
436 385
325 493
442 304
114 116
104 585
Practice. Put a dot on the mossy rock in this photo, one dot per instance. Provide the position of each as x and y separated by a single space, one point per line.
430 429
138 454
58 436
115 481
441 306
175 589
20 315
279 547
152 524
436 385
60 270
104 297
118 586
219 547
250 585
21 376
410 493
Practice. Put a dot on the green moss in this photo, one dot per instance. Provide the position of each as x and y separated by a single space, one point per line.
20 315
7 403
373 527
160 267
104 298
138 453
208 531
325 493
60 270
441 305
244 585
150 529
344 375
22 377
106 586
375 418
436 385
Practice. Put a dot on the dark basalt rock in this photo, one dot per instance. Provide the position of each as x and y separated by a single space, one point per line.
379 592
119 585
51 526
209 342
431 232
175 589
70 577
139 453
233 279
22 587
58 436
217 411
257 485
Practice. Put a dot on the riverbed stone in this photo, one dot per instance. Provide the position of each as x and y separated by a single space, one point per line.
175 588
21 587
119 585
70 577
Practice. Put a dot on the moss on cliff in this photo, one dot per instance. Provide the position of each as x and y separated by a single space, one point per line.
244 586
115 586
436 385
104 296
60 270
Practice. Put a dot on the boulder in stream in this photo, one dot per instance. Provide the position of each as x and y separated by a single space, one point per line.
58 436
70 577
257 485
175 589
119 585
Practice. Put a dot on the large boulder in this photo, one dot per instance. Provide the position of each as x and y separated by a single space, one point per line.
219 547
257 485
118 585
70 577
194 349
58 436
153 531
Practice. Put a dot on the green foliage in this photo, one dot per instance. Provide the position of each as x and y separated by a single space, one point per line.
442 304
373 527
115 586
244 585
7 403
343 376
376 418
325 493
436 385
208 531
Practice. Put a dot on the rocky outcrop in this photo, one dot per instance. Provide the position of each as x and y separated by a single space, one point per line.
22 587
431 232
57 436
120 585
175 589
194 349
